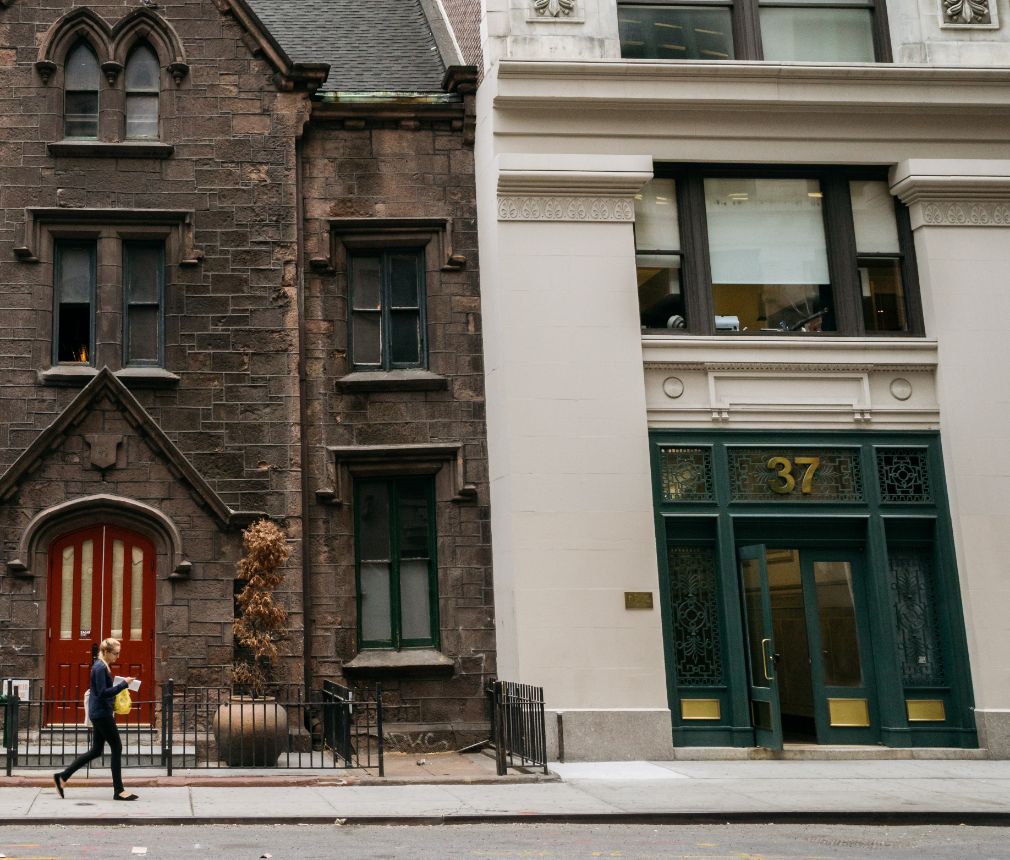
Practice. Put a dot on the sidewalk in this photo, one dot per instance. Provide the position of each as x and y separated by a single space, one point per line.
930 791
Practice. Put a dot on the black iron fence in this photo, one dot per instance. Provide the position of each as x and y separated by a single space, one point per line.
518 728
206 727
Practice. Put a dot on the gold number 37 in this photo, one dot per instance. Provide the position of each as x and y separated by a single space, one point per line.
783 481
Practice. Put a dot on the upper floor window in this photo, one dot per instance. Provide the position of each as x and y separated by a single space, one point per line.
83 80
775 30
74 320
397 572
387 308
143 85
775 251
80 299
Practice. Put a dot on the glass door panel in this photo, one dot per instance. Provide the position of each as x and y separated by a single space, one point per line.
764 693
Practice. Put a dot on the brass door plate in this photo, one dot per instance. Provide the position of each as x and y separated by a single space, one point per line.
926 710
849 712
638 600
700 709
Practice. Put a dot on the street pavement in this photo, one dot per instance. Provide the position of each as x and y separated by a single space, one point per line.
906 791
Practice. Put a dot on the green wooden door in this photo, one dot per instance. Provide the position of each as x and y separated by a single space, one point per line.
766 714
841 662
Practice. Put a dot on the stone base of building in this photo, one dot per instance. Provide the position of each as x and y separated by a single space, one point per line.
609 735
994 732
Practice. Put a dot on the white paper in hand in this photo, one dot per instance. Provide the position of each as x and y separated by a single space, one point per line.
133 685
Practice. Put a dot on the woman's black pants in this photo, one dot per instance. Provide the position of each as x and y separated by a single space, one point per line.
104 732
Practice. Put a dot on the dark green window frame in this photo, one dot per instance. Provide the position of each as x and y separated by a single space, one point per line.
843 260
392 489
135 304
744 31
64 312
386 309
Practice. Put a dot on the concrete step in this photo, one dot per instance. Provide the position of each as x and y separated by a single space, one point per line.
817 752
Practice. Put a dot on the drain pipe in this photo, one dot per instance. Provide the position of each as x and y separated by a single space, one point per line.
303 420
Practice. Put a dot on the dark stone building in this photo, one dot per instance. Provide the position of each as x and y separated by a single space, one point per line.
239 279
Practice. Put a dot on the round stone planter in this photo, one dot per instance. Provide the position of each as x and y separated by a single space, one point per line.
251 732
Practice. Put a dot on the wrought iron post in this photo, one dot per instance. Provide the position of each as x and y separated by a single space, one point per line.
378 726
168 719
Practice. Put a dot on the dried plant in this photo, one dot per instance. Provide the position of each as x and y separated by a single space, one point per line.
261 621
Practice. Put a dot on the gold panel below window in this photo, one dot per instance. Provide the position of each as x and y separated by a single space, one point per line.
926 710
700 709
848 712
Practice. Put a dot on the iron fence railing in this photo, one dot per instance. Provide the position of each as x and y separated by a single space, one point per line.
206 727
518 727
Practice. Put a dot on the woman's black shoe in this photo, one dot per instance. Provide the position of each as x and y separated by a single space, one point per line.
58 779
126 797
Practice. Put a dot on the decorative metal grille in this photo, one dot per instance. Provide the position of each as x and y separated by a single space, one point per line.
903 475
686 474
696 633
836 476
911 577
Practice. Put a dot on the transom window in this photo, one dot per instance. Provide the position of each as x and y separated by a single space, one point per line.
774 30
397 573
387 308
775 252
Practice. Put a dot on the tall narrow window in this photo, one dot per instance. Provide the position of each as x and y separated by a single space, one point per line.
73 337
142 87
397 580
658 257
82 82
144 281
387 309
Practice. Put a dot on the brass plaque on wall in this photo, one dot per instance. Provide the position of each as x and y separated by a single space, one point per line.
926 710
700 709
638 600
848 712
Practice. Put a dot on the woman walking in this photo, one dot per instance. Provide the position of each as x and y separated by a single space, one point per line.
103 721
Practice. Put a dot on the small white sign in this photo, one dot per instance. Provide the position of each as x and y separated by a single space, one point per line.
21 686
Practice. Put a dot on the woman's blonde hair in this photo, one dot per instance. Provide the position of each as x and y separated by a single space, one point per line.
109 644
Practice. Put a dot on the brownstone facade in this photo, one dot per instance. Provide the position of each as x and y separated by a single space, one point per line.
251 186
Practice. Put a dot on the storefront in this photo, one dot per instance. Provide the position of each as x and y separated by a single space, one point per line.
809 590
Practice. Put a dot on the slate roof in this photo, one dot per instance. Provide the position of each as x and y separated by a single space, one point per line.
371 45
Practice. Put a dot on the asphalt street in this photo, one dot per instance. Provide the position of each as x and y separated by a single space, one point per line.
673 842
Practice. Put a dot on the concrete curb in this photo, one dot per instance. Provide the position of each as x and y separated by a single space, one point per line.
894 817
275 781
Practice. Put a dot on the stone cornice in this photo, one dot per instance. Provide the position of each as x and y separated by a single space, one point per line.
607 84
953 193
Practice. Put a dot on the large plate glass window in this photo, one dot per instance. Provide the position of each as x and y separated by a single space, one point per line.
839 31
774 251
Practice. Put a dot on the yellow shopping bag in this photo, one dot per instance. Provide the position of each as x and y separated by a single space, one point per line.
122 703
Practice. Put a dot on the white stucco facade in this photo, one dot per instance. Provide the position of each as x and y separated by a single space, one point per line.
567 135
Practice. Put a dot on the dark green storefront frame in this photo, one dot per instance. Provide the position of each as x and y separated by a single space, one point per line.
725 525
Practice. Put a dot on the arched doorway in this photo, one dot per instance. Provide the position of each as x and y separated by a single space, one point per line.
101 584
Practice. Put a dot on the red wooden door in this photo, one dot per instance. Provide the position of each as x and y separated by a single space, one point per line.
101 584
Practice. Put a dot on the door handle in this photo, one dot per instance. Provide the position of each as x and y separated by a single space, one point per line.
764 659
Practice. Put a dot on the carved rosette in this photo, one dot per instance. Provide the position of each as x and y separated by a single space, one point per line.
553 8
968 13
516 208
966 213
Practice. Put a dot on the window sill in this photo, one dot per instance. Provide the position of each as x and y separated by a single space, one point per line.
69 375
118 149
412 662
392 380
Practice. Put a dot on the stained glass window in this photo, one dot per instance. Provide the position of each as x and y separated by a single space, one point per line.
694 608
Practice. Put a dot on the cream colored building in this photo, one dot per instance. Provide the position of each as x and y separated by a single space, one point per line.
746 297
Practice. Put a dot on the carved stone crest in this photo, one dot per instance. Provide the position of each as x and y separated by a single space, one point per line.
104 447
969 13
554 8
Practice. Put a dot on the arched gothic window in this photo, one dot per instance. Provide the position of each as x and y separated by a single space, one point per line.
143 83
82 82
